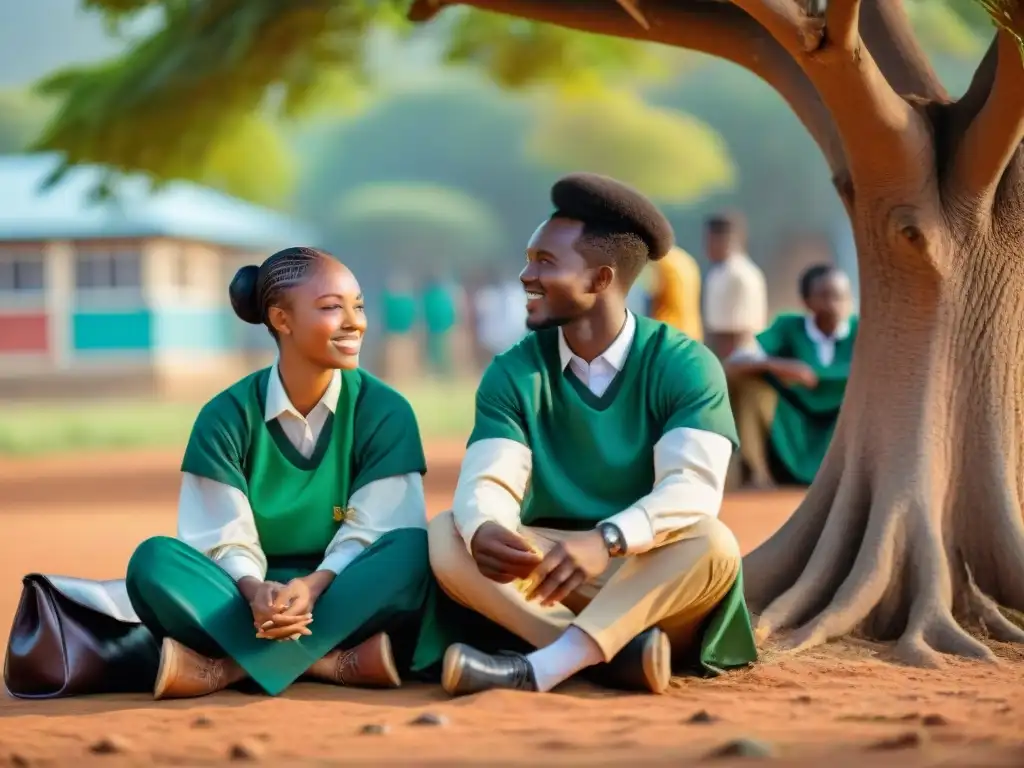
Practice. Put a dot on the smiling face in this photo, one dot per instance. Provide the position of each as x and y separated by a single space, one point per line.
324 317
561 285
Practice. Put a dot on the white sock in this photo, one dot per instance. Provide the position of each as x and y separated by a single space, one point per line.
573 651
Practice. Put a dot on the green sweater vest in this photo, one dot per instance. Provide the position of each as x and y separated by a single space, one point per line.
298 503
806 418
594 456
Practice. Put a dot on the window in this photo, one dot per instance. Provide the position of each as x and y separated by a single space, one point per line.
21 271
106 268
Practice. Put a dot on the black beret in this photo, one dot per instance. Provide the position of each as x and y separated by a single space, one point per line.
603 202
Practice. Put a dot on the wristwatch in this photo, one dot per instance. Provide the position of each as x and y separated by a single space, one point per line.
614 541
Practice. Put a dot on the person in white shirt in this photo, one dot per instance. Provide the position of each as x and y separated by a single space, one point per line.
501 316
735 292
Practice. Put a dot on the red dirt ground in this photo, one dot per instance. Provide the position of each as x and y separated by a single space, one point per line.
841 703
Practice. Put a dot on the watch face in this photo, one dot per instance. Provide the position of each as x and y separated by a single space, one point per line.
612 538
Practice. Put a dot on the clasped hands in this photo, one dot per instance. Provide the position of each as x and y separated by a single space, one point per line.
504 556
285 611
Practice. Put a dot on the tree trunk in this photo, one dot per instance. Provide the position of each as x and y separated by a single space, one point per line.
912 530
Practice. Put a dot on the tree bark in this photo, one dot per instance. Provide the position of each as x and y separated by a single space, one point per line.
912 530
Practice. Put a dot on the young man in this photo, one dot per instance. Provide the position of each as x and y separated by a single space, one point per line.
735 293
788 387
585 518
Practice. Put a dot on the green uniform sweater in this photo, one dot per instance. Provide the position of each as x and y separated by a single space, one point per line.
593 456
298 503
805 418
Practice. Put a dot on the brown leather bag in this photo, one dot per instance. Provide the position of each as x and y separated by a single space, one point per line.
74 636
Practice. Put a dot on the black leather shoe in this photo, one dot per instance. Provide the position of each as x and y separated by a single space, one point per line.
645 664
467 670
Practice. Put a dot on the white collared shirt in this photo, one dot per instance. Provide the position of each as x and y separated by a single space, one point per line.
301 431
824 346
690 466
598 374
217 519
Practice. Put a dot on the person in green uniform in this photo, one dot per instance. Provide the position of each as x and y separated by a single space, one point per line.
585 520
789 385
301 546
440 314
399 348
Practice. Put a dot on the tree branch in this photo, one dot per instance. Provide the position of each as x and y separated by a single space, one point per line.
842 24
881 132
788 21
715 28
888 34
992 139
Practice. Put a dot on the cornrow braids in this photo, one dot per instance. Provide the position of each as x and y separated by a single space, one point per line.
254 290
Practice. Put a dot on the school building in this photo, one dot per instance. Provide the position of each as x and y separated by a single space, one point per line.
128 294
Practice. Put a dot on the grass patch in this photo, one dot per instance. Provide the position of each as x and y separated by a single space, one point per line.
31 428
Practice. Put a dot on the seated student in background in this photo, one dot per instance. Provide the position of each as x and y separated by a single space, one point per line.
787 387
301 546
594 474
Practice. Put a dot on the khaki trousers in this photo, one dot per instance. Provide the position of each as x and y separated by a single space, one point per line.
724 344
674 586
753 404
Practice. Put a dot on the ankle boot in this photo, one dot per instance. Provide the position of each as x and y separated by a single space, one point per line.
370 664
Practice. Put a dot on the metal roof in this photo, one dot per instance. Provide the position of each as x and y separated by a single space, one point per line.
177 210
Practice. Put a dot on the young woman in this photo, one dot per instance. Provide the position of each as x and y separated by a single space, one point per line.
301 544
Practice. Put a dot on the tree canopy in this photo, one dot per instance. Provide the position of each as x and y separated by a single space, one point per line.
22 117
670 156
420 227
204 90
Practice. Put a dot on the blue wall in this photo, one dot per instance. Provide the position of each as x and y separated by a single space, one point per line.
112 331
200 330
142 331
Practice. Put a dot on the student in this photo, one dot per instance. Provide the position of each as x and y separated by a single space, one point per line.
301 544
440 318
585 518
735 292
788 387
400 350
675 292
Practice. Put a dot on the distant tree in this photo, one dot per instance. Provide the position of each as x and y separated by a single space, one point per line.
671 156
463 134
257 164
419 228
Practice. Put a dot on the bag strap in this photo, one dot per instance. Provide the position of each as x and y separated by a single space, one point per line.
109 597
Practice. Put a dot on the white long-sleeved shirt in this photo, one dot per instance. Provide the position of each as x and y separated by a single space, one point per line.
217 519
689 468
824 346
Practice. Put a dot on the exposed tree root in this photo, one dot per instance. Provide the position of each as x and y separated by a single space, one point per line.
883 564
987 612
